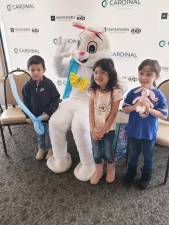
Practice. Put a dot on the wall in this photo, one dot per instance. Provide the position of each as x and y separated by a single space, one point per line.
137 29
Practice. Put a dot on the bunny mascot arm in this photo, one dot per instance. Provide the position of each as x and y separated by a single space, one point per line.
73 111
62 57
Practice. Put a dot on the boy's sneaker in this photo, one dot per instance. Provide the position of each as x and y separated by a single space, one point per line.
142 184
40 154
144 181
127 180
129 177
49 154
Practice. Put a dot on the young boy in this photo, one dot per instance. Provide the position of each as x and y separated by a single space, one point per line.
42 98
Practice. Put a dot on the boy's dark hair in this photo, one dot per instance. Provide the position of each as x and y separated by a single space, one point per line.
36 59
107 65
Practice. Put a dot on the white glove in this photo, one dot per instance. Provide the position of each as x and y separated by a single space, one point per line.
63 52
63 49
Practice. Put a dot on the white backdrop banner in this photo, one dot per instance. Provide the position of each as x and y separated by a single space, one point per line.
137 29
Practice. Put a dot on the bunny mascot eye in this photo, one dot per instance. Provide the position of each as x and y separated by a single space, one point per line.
92 47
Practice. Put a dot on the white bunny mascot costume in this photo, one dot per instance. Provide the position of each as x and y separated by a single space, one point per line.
73 111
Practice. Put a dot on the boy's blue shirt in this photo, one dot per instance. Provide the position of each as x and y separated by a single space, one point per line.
144 128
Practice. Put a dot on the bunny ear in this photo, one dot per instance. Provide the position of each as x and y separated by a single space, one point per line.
95 30
78 25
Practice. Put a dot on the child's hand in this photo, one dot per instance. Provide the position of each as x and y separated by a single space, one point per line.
101 133
135 106
45 116
95 134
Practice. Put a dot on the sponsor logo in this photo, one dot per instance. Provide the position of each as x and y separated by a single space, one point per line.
52 18
132 79
21 6
12 30
120 30
117 29
35 30
67 18
62 18
24 30
121 3
163 43
61 82
26 51
123 55
135 30
164 16
58 40
8 7
104 3
165 69
80 17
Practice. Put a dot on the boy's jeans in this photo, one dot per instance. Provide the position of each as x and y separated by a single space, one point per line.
135 148
43 141
102 149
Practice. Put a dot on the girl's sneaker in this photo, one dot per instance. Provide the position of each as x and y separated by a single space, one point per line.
98 174
110 173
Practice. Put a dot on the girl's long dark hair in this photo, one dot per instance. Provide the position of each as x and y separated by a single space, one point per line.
107 65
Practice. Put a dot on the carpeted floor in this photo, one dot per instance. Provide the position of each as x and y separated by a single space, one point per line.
30 194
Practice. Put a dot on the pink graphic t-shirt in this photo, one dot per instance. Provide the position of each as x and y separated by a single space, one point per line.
102 105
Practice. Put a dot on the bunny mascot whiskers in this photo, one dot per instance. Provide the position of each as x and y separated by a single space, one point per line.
73 111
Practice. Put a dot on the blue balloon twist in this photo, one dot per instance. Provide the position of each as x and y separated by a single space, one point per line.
37 121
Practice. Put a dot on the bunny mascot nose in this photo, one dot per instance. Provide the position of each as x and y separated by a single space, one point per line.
81 53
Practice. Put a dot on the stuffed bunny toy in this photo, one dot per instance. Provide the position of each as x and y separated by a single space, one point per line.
147 99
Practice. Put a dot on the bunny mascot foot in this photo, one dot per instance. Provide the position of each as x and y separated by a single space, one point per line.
84 172
59 165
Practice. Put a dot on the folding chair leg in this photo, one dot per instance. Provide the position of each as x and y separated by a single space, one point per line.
166 171
3 140
10 131
1 108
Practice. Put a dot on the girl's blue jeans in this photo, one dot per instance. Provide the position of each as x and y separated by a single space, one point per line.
103 149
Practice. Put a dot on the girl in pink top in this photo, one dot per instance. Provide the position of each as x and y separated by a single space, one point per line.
104 99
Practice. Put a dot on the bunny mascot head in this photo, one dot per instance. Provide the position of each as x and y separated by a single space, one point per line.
92 45
73 111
